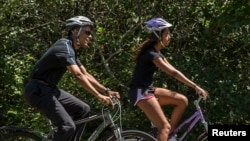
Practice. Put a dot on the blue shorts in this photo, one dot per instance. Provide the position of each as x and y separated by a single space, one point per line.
138 94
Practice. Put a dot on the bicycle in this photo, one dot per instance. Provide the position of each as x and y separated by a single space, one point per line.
9 133
181 132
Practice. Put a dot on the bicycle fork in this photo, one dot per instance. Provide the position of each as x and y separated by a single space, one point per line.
116 129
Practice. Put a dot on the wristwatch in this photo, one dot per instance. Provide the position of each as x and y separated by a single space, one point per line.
107 90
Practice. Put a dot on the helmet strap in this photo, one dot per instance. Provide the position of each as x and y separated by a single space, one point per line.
159 38
156 35
162 44
77 36
77 41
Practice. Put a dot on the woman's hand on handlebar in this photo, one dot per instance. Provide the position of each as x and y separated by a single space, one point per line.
201 92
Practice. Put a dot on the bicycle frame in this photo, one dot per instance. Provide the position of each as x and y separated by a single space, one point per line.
107 120
191 121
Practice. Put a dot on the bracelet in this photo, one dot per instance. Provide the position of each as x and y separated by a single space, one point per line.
107 90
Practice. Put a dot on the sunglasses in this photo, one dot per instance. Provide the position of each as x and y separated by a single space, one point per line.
87 32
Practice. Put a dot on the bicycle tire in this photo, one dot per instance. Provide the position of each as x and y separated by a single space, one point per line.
203 137
21 136
133 135
198 134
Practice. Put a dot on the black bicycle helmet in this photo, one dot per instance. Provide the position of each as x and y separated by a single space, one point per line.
78 21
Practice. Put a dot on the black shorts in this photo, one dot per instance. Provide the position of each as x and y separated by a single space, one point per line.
138 94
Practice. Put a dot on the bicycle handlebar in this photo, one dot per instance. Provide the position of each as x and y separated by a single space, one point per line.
115 100
197 101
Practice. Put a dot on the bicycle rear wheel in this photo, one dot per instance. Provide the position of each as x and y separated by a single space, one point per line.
21 136
133 135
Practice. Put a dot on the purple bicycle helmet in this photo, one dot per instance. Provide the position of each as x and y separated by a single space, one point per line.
157 24
78 21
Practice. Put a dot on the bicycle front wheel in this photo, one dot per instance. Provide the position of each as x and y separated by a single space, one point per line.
199 133
133 135
21 136
203 137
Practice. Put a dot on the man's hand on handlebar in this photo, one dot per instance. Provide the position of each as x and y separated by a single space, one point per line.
111 99
113 94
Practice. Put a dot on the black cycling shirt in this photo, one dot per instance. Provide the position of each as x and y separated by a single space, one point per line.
145 68
52 65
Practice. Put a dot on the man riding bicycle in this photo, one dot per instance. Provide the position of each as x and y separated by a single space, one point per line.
42 93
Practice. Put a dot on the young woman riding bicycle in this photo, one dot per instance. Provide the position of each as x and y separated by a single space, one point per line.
150 98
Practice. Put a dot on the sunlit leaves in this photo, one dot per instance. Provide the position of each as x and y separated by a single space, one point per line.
210 45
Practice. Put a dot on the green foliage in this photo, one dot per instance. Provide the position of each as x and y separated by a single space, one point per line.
210 45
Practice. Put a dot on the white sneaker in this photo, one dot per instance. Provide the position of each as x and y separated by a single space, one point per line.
173 138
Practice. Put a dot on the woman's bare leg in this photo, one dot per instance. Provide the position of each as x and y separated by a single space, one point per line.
179 101
153 111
